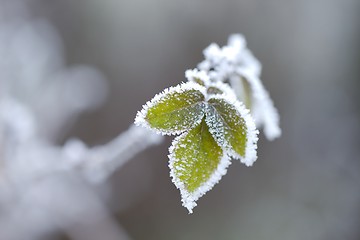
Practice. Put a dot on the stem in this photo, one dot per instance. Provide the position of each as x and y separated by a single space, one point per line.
104 160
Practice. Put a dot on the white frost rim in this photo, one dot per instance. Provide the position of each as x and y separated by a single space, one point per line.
224 87
192 74
251 131
269 116
189 199
140 119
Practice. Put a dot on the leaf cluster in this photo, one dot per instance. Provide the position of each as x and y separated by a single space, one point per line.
213 127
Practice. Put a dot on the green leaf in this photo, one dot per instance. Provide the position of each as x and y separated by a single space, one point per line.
175 110
246 96
262 107
242 89
233 128
197 163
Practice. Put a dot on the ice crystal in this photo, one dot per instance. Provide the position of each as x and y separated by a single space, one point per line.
214 114
234 63
196 163
174 110
232 121
214 126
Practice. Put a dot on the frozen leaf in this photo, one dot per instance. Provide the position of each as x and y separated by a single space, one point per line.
232 127
236 64
242 90
211 112
175 110
197 163
262 109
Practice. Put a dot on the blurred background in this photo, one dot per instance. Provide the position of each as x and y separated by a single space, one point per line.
305 185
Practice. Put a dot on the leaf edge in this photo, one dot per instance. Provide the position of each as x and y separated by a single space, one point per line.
189 199
140 119
251 131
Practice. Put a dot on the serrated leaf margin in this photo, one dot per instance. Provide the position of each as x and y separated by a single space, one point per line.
140 119
189 199
251 131
264 111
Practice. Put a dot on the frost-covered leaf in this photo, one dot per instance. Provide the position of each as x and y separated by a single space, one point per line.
236 64
233 128
175 110
211 112
262 109
242 90
197 163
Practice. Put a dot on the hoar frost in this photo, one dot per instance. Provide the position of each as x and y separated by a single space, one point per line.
234 63
213 115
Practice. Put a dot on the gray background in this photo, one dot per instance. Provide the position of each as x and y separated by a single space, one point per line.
304 185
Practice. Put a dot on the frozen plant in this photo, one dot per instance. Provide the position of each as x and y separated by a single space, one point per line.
215 114
46 187
236 65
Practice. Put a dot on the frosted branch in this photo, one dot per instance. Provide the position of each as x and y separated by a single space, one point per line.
99 162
